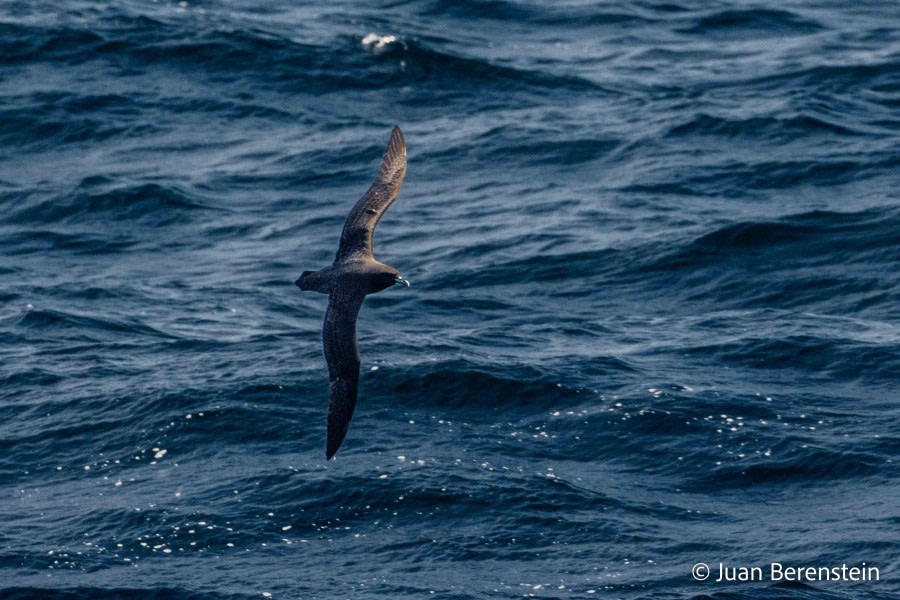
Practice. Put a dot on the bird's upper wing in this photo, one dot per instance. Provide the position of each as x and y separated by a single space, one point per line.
342 355
360 224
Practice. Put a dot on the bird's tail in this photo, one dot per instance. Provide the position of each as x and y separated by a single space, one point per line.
312 281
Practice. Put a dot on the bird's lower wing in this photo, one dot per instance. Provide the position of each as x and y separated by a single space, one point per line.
342 355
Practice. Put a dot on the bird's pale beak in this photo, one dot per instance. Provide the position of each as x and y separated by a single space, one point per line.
398 280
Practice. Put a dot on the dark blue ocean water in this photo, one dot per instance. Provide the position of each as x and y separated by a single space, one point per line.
654 319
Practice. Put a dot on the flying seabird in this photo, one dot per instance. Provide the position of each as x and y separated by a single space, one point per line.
354 274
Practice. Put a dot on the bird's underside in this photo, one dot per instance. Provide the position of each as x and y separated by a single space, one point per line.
354 274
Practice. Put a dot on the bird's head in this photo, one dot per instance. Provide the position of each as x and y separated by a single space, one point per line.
386 279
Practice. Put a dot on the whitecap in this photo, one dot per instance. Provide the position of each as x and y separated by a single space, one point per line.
377 42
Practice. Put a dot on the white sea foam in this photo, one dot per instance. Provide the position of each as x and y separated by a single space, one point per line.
377 42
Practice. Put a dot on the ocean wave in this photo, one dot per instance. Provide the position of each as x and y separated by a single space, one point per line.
788 263
756 22
84 243
31 126
733 179
54 319
144 205
463 384
768 128
546 15
823 358
20 43
115 593
542 268
804 466
513 145
836 78
871 230
344 64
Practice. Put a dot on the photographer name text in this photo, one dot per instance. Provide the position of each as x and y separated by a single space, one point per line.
776 572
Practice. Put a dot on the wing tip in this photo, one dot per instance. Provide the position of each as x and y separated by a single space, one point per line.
340 412
397 144
394 160
332 446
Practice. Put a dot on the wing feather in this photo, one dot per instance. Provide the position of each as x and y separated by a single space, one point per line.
368 210
342 355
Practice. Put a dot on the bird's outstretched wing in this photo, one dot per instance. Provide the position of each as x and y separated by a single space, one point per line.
360 224
342 355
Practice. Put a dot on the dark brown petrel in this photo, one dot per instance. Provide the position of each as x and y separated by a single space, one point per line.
354 274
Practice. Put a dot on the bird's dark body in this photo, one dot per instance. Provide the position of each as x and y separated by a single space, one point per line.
354 274
368 276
